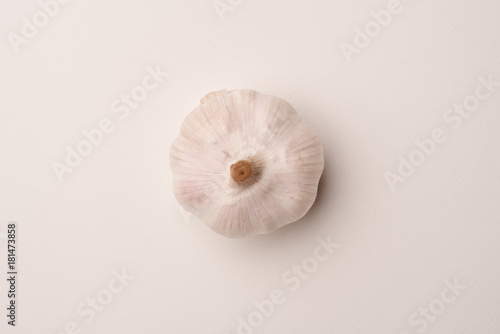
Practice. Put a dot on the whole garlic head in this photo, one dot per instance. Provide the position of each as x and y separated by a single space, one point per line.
244 163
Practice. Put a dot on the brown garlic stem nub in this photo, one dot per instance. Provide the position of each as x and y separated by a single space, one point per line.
241 171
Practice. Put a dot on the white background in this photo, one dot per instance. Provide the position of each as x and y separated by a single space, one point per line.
116 210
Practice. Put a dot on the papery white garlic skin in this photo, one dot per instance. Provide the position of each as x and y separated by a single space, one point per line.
261 131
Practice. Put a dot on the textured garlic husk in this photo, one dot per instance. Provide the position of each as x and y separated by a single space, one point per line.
244 163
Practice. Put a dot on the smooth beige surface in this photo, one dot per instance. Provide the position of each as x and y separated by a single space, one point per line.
421 257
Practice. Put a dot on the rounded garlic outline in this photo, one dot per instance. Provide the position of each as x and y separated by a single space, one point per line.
245 163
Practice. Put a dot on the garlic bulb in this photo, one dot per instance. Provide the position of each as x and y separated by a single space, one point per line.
244 163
